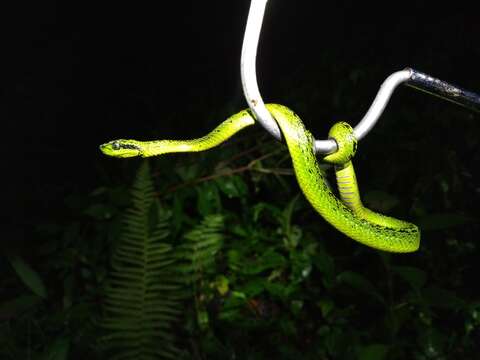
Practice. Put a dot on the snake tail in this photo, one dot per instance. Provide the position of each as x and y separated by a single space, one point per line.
363 225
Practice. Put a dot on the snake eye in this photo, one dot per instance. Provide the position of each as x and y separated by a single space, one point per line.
116 145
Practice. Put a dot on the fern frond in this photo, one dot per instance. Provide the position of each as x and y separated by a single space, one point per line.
142 295
201 246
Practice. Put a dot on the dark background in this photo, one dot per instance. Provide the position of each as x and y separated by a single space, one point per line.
77 75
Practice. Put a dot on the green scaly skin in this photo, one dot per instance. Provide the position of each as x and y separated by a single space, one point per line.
347 215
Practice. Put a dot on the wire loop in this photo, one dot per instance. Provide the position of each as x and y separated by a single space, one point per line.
409 76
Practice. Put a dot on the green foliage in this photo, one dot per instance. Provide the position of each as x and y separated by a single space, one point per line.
201 245
197 268
255 272
29 276
142 294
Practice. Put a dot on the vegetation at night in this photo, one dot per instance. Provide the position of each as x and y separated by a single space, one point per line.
221 257
217 254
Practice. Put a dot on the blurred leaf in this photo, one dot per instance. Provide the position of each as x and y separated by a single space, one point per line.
287 214
119 196
280 290
293 237
268 260
380 200
296 306
359 283
261 207
99 191
100 211
58 350
442 298
235 260
222 285
293 234
232 186
301 265
443 221
12 308
337 341
208 201
373 352
28 276
178 211
432 342
253 287
324 263
415 277
326 306
202 318
188 172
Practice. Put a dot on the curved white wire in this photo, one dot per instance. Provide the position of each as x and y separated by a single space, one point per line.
257 106
380 102
248 68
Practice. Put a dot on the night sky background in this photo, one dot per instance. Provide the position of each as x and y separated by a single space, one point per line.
77 75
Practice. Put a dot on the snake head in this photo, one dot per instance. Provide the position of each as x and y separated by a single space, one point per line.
122 148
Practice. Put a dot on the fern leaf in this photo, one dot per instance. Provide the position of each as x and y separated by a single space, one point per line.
142 296
199 251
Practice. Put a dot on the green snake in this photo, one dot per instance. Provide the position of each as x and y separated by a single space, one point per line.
348 215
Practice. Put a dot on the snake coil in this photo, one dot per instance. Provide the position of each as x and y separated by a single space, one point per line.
348 215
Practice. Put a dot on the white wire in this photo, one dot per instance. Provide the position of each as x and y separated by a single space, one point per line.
248 68
255 101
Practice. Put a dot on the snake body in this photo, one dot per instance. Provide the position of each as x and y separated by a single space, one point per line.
348 215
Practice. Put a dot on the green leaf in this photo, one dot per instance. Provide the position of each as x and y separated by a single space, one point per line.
326 306
253 287
100 211
360 283
188 172
301 265
222 285
293 234
296 306
268 260
280 290
336 341
415 277
235 260
119 196
58 350
442 298
208 201
261 207
324 263
12 308
232 186
372 352
143 292
28 276
443 221
380 200
433 343
288 212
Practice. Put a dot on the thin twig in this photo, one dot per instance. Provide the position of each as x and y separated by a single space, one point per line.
241 154
234 157
248 167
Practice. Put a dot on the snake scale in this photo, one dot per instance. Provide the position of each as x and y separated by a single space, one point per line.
348 215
